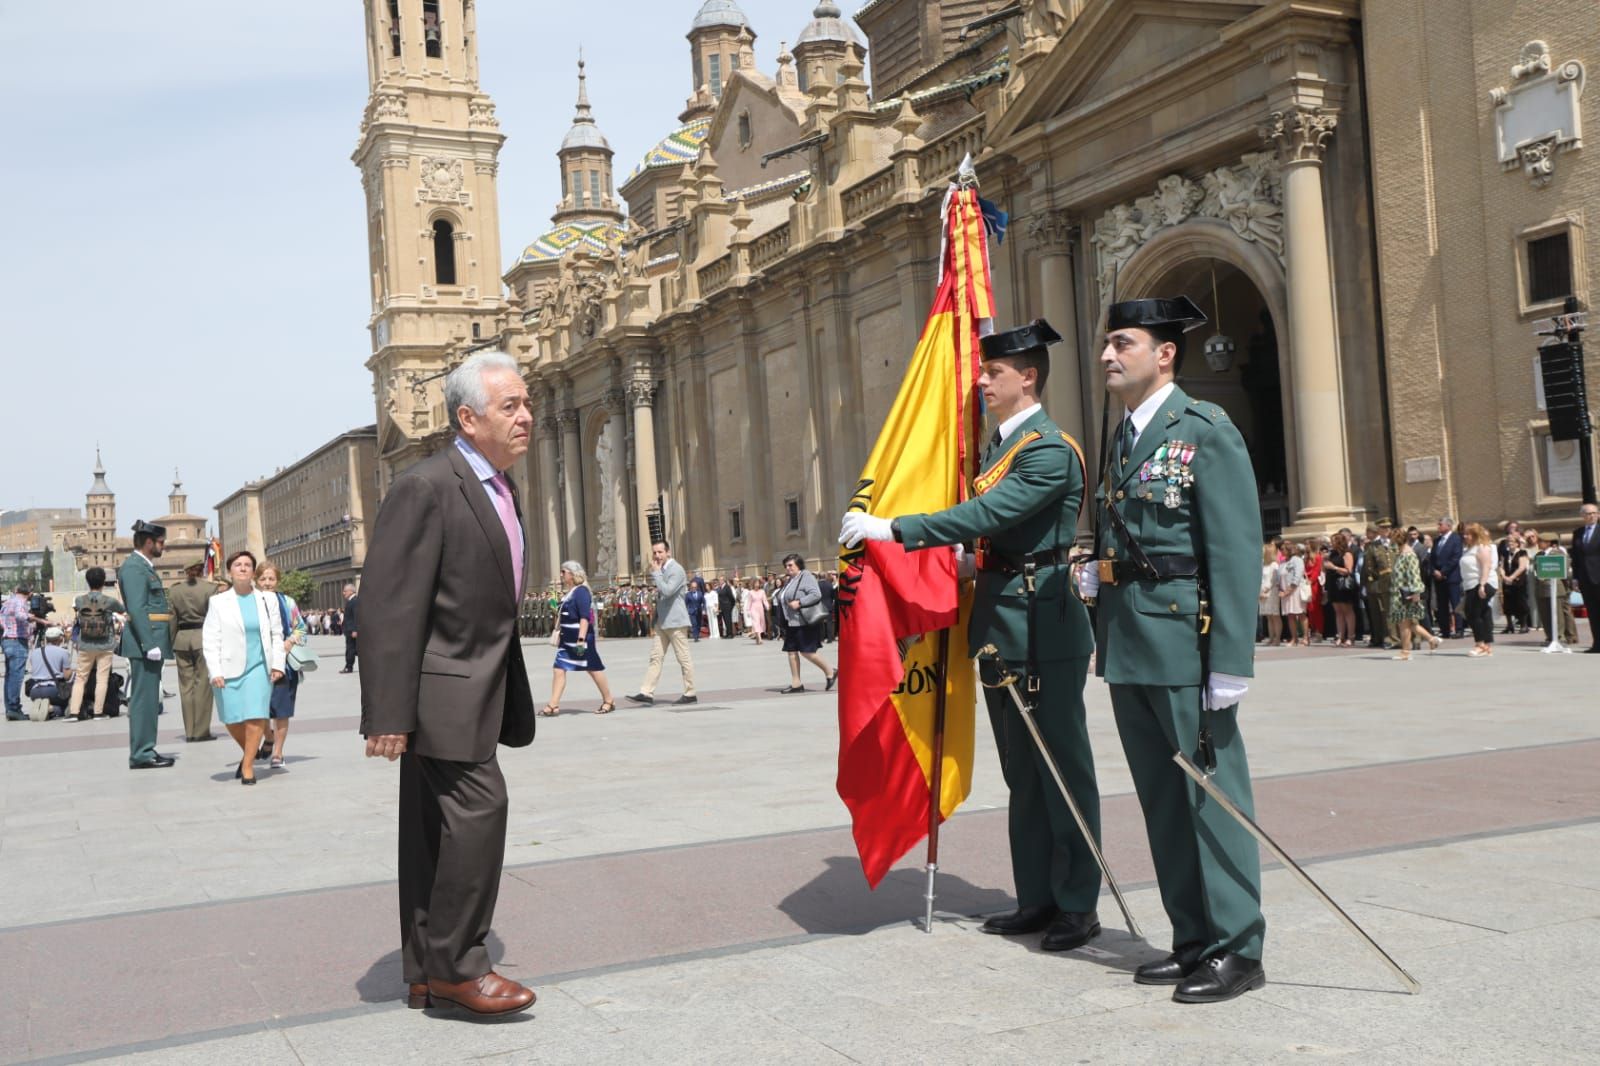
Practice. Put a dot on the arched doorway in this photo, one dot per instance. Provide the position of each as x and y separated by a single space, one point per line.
1241 370
1239 286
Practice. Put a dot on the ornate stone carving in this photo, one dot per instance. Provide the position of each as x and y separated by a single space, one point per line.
1540 115
480 115
442 179
567 420
551 425
1538 161
615 400
1050 231
386 105
1042 18
1535 60
641 393
1248 196
1301 133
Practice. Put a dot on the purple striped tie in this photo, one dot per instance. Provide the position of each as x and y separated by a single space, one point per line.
508 520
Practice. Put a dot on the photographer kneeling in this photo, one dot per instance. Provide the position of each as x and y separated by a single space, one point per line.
50 673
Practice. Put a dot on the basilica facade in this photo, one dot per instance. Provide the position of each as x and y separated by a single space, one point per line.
1374 203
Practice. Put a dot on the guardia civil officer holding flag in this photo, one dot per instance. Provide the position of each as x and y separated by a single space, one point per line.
1177 577
1023 515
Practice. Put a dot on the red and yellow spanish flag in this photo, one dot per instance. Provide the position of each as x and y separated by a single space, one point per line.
893 602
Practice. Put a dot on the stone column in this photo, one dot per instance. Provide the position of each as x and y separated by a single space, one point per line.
641 397
616 476
1302 134
577 540
1050 233
549 500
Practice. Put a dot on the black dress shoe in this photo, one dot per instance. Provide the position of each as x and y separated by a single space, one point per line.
640 697
1221 978
1593 651
1172 969
1070 930
681 700
158 762
1021 920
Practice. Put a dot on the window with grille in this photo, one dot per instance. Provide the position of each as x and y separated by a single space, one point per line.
736 524
1550 268
716 75
791 510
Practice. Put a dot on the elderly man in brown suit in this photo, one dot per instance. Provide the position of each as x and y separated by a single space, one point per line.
444 575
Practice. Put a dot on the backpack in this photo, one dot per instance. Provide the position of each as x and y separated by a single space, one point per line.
94 621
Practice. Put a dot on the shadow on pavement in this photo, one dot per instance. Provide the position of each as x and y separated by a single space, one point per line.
839 901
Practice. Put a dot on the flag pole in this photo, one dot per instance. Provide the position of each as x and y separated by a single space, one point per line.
936 776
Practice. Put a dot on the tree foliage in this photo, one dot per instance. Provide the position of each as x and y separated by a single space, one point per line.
299 585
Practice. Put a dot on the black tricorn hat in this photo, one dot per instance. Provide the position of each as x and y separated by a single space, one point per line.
1036 335
141 526
1177 313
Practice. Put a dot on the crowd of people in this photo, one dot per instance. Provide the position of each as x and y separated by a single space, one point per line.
239 650
1407 588
719 608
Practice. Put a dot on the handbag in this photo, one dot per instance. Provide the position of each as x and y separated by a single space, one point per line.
303 659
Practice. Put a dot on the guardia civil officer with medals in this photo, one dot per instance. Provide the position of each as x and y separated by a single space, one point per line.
146 642
1177 581
1023 516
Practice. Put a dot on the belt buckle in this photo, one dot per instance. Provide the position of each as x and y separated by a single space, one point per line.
1108 571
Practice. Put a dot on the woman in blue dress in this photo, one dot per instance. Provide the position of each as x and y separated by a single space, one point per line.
243 645
574 640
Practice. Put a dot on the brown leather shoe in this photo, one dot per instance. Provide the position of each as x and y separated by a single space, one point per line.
489 994
417 996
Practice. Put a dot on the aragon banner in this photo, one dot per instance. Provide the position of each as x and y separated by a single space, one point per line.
892 602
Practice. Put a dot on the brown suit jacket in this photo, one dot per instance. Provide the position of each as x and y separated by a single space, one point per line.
440 658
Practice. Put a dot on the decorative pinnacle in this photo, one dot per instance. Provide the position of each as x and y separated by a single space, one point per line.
584 113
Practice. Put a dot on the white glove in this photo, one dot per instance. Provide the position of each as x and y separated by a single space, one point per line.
154 655
1089 580
859 526
966 565
1225 690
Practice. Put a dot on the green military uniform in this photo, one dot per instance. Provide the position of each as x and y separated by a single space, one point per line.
189 601
1028 494
1185 488
1377 568
149 626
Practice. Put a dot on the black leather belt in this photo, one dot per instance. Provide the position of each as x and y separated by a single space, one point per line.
1166 566
1013 564
190 625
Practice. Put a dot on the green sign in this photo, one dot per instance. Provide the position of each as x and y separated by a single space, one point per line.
1550 567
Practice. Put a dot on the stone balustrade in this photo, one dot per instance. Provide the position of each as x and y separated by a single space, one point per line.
867 196
770 247
715 275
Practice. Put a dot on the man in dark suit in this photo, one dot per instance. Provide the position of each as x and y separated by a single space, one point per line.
1586 569
446 681
352 604
1447 578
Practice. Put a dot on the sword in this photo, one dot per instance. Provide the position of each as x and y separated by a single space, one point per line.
1008 681
1204 781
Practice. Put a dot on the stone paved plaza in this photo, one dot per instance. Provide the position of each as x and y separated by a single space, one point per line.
681 886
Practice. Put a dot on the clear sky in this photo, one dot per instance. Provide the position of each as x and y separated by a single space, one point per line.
186 274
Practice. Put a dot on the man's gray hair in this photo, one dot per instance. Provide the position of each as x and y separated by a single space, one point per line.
575 568
1447 521
463 387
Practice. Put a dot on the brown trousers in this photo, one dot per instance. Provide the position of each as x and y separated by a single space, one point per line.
452 847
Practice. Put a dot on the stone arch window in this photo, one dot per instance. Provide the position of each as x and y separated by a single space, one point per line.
432 29
444 252
394 26
745 135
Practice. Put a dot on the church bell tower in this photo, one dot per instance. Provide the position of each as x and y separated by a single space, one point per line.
428 153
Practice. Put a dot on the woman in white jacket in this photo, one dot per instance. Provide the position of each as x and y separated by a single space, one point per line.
243 645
